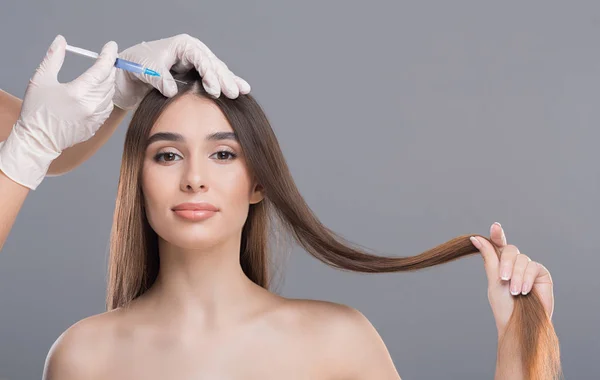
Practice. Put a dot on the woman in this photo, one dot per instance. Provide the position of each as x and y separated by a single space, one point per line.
202 183
188 292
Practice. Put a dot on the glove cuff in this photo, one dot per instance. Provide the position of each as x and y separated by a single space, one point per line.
23 159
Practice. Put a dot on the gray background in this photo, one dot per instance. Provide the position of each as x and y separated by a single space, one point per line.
404 125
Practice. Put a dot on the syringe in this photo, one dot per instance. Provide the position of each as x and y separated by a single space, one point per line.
119 63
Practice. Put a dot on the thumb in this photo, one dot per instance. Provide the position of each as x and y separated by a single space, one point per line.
53 61
102 68
491 261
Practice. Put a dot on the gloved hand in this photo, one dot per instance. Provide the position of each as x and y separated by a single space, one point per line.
55 116
180 53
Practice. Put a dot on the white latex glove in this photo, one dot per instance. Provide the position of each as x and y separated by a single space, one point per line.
55 116
180 53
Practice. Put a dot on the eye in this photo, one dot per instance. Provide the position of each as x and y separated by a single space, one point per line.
224 155
166 157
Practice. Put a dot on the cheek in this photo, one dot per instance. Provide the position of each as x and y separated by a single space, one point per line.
233 192
156 194
235 187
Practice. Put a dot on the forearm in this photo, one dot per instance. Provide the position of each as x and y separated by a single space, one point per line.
509 361
13 196
70 158
10 107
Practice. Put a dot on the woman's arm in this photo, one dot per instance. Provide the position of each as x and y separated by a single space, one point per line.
10 107
13 196
70 158
509 363
527 343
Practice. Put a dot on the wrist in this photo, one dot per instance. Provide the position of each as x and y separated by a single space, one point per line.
24 159
501 333
509 364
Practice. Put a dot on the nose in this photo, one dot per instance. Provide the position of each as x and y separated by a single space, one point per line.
194 179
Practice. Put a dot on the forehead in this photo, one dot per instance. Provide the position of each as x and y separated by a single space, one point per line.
191 115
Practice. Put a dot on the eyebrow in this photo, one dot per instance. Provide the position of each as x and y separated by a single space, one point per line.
170 136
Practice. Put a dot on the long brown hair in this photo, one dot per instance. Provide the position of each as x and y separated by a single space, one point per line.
134 260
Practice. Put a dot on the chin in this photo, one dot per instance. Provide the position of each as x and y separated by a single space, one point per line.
192 238
197 235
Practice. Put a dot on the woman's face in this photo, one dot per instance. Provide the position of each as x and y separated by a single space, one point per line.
193 157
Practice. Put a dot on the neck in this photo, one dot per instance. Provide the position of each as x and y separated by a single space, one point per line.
206 284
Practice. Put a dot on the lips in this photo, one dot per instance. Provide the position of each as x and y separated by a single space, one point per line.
202 206
195 211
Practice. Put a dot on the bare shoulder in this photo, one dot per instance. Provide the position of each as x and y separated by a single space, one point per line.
346 339
327 317
82 350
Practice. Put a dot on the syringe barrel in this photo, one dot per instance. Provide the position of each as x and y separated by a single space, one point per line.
129 66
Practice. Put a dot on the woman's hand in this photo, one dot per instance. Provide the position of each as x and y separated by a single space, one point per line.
512 275
180 53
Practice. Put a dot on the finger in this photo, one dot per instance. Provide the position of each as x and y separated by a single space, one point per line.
507 259
205 67
228 85
106 105
165 84
497 235
169 86
108 83
516 280
216 76
211 84
181 67
102 67
205 49
191 55
531 273
490 257
211 69
175 61
205 61
102 116
108 88
109 105
52 62
242 85
544 276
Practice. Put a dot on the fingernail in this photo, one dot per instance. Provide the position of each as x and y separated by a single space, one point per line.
172 87
54 44
106 49
513 290
475 242
505 275
525 289
492 226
